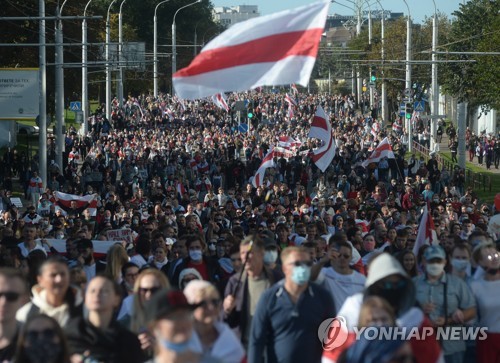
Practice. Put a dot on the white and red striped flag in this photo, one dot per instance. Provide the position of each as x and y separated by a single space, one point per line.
291 101
69 203
383 150
294 89
288 142
321 129
375 128
426 234
320 126
267 162
220 101
270 50
180 189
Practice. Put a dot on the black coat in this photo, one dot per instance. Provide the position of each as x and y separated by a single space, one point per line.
112 345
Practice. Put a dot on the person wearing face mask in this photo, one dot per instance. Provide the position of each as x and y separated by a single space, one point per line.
486 291
171 322
460 261
446 299
271 256
387 279
208 267
294 308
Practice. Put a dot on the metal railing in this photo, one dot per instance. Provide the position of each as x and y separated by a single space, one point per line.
477 181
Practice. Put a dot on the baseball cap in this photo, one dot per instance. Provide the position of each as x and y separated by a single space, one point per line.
434 252
164 302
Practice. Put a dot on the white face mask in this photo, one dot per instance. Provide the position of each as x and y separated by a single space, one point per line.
270 257
434 269
460 265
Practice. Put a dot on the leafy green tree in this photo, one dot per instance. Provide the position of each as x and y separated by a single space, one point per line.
476 29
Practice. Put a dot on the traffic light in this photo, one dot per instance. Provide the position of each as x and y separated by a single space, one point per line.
373 76
408 111
250 113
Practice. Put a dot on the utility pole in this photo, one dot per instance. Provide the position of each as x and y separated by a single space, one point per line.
85 97
59 86
108 66
370 42
120 56
384 84
461 121
435 86
42 136
408 74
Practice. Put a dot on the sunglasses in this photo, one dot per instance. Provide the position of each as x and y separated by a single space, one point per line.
302 263
46 334
152 290
206 303
10 296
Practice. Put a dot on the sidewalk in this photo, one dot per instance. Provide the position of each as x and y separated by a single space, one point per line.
443 148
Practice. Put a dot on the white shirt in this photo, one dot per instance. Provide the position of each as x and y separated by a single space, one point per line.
486 294
25 252
341 286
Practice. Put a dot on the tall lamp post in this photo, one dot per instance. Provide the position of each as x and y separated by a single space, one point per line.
120 56
155 50
174 48
382 53
408 73
108 67
85 97
42 84
59 86
435 86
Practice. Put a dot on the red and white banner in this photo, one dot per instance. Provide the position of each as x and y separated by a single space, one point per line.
120 235
267 162
288 142
220 101
321 129
283 152
291 101
70 203
100 247
294 89
324 155
383 150
320 126
426 234
375 129
180 189
270 50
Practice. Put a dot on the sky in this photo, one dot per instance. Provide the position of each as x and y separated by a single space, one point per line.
419 8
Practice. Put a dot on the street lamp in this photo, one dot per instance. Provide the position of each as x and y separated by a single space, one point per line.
120 52
174 49
155 50
108 68
382 53
59 85
408 73
85 102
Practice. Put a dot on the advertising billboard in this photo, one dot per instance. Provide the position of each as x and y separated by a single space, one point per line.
18 93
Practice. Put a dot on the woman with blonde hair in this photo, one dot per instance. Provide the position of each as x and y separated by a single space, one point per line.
212 336
115 259
133 313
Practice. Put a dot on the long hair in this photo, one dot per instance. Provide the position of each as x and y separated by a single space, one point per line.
21 356
138 319
115 259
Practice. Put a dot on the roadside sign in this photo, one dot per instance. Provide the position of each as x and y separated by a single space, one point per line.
75 106
363 89
408 92
371 84
419 106
243 128
402 109
79 117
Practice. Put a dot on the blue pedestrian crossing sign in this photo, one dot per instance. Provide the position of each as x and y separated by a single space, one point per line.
75 106
419 106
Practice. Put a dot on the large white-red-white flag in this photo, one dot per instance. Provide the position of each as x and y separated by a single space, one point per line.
70 203
321 129
288 142
267 162
383 150
270 50
426 234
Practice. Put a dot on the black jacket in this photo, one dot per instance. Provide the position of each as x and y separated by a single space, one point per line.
112 345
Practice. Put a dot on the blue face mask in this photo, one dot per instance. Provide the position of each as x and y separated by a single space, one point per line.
195 255
460 265
301 274
175 347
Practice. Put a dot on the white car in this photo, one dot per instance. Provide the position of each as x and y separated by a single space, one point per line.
24 129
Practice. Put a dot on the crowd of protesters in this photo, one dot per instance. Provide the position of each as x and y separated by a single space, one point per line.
219 270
